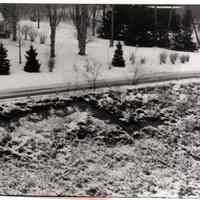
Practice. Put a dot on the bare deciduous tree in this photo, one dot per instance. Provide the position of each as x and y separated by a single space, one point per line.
39 11
19 30
38 17
25 30
94 13
93 71
81 17
54 15
11 14
32 33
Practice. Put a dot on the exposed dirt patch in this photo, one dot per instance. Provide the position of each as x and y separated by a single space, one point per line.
143 142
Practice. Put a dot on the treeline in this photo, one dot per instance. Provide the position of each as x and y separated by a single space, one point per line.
149 26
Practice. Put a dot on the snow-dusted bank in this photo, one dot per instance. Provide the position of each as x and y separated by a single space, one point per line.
124 142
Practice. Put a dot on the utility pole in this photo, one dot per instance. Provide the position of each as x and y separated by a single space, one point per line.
112 28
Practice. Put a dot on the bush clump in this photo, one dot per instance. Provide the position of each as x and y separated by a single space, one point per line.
187 58
43 38
25 31
132 58
51 64
163 58
32 34
142 61
184 58
173 57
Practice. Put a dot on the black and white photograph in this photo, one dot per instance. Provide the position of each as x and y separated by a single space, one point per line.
100 100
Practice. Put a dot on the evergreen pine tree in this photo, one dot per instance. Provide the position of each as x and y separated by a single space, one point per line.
4 62
139 26
118 60
189 45
187 19
163 40
122 15
32 64
175 23
182 39
187 31
105 28
177 41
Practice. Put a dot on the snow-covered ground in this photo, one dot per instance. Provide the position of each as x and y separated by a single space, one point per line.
97 50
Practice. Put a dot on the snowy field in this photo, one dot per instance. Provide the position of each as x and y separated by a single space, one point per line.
97 50
118 143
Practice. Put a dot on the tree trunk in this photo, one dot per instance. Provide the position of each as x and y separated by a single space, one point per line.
82 35
52 39
112 28
104 11
82 46
94 23
14 30
78 38
82 31
14 20
38 18
93 27
25 36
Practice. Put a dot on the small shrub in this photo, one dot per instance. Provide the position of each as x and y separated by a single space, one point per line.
142 61
135 75
25 31
163 58
132 58
90 37
173 57
184 58
51 64
187 58
93 70
32 34
76 68
43 38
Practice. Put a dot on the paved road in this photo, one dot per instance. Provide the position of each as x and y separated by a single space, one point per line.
67 87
